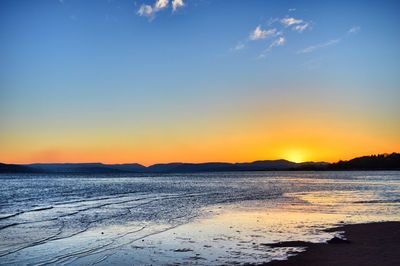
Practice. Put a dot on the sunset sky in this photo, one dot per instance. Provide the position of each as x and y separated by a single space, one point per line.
161 81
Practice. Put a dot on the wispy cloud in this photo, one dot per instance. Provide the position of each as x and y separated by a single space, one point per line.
276 29
302 27
146 11
258 33
354 30
150 11
280 41
288 21
255 35
239 46
296 24
312 48
177 4
272 21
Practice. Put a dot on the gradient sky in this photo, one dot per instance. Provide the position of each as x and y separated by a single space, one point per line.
160 81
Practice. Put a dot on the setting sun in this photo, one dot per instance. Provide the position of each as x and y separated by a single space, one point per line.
296 156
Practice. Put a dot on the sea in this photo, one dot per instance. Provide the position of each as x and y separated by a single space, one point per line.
183 219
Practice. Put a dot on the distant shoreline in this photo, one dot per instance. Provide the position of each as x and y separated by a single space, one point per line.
195 172
381 162
368 244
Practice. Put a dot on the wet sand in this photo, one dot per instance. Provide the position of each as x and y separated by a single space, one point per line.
205 219
367 245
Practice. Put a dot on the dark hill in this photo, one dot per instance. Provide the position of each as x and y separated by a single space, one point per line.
15 168
372 162
93 168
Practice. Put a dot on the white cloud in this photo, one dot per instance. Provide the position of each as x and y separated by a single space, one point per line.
176 4
292 9
290 21
298 25
151 10
301 27
318 46
354 30
146 11
161 4
278 42
259 33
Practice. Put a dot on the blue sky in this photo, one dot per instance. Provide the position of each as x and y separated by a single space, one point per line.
142 66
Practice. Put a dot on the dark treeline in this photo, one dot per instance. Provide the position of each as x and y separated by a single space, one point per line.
372 162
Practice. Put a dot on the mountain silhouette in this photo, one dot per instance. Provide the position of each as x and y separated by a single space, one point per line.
15 168
372 162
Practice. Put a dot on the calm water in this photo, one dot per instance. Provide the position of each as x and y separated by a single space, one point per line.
192 219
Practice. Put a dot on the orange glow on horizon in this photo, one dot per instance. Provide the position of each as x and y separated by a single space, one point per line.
151 157
232 139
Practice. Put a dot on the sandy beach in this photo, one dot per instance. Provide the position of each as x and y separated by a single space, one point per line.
367 245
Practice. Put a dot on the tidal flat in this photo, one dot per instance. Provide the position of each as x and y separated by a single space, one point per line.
197 219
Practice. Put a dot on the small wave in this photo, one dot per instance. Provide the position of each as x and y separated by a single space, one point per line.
41 209
27 211
11 215
30 222
8 225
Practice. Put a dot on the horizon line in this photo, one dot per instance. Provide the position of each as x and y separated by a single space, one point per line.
203 162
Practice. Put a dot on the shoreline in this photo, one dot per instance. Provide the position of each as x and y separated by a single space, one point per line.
363 244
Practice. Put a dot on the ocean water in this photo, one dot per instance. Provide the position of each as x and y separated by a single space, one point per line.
189 219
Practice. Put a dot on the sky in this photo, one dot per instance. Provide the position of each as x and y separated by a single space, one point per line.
142 81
